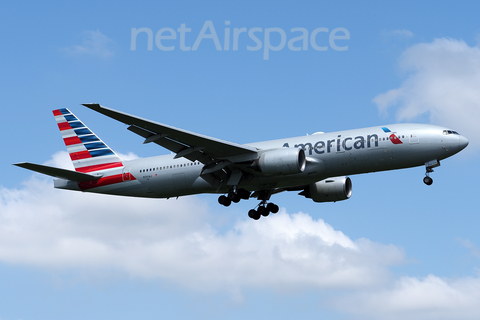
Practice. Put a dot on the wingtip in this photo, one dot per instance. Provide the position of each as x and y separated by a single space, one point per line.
24 165
92 105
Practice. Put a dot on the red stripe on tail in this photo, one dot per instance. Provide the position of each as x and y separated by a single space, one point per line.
72 140
64 126
80 155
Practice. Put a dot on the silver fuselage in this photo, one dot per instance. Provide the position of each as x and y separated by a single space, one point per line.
332 154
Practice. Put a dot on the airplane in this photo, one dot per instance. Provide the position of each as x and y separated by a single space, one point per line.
317 165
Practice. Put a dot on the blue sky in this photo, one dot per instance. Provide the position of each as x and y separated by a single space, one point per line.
397 249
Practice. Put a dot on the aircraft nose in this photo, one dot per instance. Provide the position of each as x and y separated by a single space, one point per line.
462 142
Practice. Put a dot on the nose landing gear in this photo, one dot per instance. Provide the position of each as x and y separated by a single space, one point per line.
427 180
429 169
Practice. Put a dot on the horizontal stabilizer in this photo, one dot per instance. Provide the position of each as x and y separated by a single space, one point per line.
58 173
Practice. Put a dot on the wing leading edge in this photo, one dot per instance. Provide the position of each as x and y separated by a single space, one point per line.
190 145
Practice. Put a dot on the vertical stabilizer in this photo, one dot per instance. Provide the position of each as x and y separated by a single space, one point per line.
87 151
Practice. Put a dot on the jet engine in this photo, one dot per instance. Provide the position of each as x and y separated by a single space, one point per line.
329 190
282 161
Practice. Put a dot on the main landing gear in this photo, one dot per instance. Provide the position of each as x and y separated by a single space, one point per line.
429 169
233 196
264 208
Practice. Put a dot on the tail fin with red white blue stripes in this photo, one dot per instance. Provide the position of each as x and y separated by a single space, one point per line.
87 151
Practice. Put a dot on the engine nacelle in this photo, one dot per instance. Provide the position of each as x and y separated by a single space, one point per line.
329 190
282 161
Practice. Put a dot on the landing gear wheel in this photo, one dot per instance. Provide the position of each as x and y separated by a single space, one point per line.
223 200
236 199
273 208
428 181
254 214
234 196
263 211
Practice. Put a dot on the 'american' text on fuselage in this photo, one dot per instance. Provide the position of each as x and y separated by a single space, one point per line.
337 144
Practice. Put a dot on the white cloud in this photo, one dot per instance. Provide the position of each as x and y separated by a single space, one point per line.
171 239
442 81
94 43
414 298
60 159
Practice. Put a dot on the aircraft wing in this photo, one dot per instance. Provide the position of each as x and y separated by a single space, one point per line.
190 145
58 173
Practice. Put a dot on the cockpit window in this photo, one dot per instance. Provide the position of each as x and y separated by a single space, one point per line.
450 132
